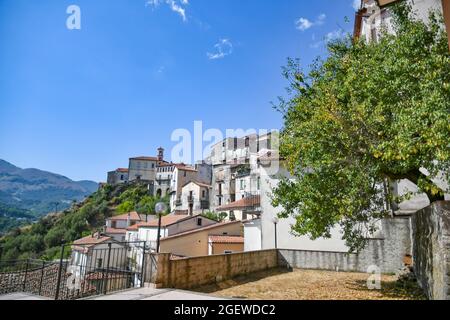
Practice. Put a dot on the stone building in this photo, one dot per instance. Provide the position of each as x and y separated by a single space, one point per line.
117 176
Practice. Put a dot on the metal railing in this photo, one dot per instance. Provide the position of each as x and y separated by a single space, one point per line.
92 269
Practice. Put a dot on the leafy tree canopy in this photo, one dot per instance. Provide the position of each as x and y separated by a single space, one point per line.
369 113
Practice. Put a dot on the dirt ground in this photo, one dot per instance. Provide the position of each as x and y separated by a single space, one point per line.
311 285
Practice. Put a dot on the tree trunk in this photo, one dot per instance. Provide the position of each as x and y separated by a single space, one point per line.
415 175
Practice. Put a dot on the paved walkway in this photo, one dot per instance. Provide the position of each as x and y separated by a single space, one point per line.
21 296
156 294
133 294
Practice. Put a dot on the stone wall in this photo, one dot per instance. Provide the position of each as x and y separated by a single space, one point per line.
431 249
193 272
387 252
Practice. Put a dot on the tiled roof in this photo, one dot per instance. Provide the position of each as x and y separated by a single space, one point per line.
134 216
204 185
133 227
122 170
186 168
210 227
85 243
145 158
165 221
115 231
242 204
226 239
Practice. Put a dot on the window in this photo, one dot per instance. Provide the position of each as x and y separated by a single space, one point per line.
114 224
258 183
199 222
228 252
99 262
220 201
242 184
203 194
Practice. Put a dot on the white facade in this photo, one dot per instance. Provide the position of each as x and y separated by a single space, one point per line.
263 231
195 198
377 18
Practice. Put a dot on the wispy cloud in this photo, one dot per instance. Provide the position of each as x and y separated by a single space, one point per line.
223 48
177 6
303 24
330 36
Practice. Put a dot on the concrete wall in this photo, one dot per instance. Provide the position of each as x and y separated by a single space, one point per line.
386 253
431 249
193 272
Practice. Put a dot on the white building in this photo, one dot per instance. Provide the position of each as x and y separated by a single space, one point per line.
90 254
195 198
170 225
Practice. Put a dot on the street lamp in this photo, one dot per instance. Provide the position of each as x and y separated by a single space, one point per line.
275 221
160 208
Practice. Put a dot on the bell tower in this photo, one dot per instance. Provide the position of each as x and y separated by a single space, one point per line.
160 154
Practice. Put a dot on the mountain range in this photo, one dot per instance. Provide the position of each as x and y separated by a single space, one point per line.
38 192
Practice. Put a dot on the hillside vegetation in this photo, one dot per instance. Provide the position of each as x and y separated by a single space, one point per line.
44 238
39 191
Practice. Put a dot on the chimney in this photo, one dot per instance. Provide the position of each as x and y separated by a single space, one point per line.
160 154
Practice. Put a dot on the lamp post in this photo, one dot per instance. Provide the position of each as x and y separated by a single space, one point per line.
275 223
160 208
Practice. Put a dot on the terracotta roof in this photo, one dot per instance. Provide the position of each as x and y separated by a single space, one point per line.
85 243
133 228
134 216
115 231
185 168
165 221
226 239
204 185
210 227
122 170
242 204
145 158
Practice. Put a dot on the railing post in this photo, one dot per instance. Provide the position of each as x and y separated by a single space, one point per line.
58 283
105 289
143 265
42 278
26 275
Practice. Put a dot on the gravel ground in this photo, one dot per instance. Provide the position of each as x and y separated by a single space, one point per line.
311 285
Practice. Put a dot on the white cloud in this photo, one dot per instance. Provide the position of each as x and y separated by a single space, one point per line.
223 48
305 24
177 6
330 36
356 4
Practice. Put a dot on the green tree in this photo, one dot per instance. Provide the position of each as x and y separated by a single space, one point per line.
125 207
220 217
368 114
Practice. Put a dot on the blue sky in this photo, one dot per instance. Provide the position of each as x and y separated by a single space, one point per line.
81 102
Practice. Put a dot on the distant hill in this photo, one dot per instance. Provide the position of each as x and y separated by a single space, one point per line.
38 191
